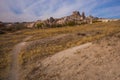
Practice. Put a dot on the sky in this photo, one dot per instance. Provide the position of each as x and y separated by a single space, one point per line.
32 10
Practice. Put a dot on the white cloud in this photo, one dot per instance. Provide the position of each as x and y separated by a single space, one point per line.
29 10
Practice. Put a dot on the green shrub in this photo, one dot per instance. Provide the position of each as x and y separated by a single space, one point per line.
71 23
39 25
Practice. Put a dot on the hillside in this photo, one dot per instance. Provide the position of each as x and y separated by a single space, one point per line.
99 60
38 55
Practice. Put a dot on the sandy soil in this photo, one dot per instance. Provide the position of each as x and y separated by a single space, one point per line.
99 60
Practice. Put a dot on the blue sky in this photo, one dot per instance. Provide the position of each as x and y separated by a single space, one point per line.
30 10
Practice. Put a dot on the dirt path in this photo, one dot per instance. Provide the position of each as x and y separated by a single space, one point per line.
98 60
14 74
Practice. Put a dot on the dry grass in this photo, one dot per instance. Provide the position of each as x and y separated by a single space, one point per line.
36 53
7 42
43 33
29 57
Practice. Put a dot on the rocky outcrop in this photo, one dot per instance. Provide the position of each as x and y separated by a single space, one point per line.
83 15
76 13
75 18
51 20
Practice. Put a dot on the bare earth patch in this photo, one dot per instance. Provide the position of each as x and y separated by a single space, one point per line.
97 61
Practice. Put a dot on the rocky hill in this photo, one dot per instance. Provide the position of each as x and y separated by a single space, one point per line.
76 18
73 19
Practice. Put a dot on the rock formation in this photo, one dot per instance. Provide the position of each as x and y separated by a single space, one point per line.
83 15
51 20
75 18
76 13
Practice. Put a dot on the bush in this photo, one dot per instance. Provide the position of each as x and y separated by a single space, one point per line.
13 27
39 25
70 23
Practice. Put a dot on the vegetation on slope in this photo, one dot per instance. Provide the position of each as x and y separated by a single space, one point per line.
75 35
7 42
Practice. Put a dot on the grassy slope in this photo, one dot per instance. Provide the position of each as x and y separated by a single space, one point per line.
30 57
7 42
